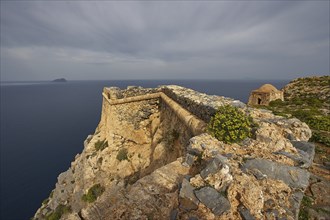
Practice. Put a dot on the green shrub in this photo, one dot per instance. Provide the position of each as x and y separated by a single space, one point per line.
314 102
122 154
101 145
277 102
230 125
306 203
321 123
93 192
45 201
320 137
297 101
59 211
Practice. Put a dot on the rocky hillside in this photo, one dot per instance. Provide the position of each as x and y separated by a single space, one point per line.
308 99
152 158
309 87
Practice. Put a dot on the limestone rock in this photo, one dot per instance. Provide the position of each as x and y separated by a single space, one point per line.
306 150
293 176
197 181
213 200
188 199
189 160
217 173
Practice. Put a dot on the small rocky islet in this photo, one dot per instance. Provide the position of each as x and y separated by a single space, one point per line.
151 157
59 80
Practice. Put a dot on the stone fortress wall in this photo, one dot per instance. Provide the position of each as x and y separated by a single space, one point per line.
113 96
174 170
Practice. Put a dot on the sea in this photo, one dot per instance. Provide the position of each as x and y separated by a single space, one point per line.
44 125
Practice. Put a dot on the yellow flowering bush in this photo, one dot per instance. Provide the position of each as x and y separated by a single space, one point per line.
230 125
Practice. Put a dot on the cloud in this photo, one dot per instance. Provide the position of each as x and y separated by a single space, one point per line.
73 55
211 37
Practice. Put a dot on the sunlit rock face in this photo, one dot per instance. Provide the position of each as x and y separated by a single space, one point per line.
152 158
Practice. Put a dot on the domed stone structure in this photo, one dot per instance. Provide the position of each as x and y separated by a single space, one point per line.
265 94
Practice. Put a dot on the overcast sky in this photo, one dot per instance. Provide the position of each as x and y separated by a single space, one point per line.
78 40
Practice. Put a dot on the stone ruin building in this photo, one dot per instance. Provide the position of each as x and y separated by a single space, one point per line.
265 94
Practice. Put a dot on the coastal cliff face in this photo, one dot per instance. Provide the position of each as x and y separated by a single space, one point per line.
151 158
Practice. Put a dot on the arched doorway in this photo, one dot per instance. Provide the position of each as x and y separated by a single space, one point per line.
259 101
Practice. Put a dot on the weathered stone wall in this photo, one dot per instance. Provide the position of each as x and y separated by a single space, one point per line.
202 105
151 121
131 91
131 120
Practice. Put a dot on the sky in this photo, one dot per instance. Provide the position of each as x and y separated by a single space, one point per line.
105 40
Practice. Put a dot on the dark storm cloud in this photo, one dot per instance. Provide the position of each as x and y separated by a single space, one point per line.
145 39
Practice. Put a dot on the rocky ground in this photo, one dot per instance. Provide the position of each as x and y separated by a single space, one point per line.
309 100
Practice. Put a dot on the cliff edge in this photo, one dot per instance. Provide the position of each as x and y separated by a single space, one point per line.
151 158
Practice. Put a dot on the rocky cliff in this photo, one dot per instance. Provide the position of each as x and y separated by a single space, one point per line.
151 158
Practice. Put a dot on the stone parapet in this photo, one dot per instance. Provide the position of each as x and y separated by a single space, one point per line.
200 104
196 125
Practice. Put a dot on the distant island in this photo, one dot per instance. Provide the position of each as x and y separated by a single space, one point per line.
59 80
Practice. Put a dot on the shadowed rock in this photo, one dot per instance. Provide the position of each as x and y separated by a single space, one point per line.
306 150
213 200
188 200
245 213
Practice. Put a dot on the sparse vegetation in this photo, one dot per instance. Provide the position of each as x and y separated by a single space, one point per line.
306 203
122 154
92 194
324 138
59 211
45 201
230 125
307 100
277 102
101 145
175 134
